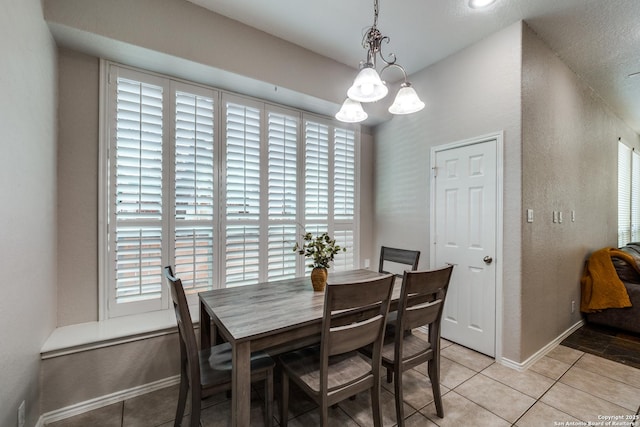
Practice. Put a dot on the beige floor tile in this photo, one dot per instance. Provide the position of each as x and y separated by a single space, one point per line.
422 334
565 354
466 357
416 389
549 367
500 399
151 409
418 420
360 408
528 382
337 417
219 415
460 411
609 368
108 416
452 374
299 402
600 386
444 343
581 405
541 415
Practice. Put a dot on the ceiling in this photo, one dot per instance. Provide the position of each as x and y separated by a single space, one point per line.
598 39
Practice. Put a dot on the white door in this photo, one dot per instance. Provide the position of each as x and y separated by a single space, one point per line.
464 232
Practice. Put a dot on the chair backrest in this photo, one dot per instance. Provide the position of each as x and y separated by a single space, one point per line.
188 343
398 256
422 300
354 317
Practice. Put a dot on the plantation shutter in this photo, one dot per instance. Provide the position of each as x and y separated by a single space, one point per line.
136 220
194 190
344 260
316 161
344 190
344 174
242 193
282 194
624 194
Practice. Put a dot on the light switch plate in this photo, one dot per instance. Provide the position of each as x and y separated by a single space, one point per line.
529 215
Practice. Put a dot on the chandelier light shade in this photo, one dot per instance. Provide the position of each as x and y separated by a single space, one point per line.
479 4
351 112
369 87
406 101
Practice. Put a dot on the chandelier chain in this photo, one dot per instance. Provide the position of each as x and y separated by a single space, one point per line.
372 41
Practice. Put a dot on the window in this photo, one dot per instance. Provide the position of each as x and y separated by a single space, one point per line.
628 195
218 185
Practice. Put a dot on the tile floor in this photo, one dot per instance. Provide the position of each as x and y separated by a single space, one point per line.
567 387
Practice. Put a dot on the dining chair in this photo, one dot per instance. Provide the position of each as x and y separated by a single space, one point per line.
421 303
208 371
398 256
354 316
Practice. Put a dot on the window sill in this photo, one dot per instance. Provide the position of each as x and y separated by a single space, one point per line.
93 335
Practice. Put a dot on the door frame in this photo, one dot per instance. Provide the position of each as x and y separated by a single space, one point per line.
498 259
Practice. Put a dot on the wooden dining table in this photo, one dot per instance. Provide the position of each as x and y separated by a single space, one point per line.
275 316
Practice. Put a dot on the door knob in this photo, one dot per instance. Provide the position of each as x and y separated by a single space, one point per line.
487 259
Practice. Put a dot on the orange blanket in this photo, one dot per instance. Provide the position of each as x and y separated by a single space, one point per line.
601 287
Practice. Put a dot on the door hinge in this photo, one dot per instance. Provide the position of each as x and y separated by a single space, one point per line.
435 171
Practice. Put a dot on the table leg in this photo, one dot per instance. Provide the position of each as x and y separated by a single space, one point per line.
205 328
241 384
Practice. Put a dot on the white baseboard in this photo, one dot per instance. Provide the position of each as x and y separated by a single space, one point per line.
523 366
102 401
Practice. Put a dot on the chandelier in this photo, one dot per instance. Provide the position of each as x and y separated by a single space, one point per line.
369 87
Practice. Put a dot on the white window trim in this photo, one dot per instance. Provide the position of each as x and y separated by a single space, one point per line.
632 226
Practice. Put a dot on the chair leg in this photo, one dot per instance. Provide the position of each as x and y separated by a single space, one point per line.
182 399
375 404
324 413
196 396
284 401
397 373
268 398
433 368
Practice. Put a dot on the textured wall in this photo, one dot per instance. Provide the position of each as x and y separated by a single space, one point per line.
367 247
77 188
182 39
570 141
79 377
28 214
471 93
